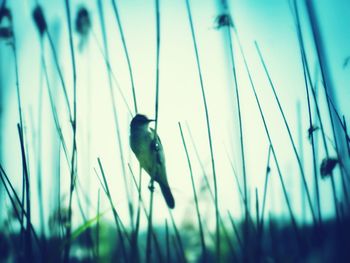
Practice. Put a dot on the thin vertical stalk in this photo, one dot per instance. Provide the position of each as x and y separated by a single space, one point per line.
19 100
115 115
327 81
138 187
301 150
308 82
229 242
201 234
260 221
26 183
98 228
176 249
267 175
206 177
235 230
114 78
241 134
88 238
60 75
39 150
343 126
115 214
335 198
116 12
294 224
167 257
74 128
313 146
178 237
19 104
236 178
257 208
134 240
347 138
28 239
150 223
207 182
54 113
302 174
14 198
217 242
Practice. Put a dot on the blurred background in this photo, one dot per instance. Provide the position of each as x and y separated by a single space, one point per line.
38 58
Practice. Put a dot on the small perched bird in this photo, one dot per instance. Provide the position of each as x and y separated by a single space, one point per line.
149 152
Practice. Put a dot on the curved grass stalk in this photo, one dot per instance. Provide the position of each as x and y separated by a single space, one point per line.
115 115
285 194
117 219
302 173
115 9
217 217
327 82
73 172
201 234
308 82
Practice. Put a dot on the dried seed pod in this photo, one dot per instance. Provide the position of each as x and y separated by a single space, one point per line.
6 31
5 13
327 166
311 130
223 20
83 22
39 19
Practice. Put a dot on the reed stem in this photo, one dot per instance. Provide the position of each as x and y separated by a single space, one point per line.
201 234
217 217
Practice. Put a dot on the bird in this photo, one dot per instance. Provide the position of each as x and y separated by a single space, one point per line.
149 151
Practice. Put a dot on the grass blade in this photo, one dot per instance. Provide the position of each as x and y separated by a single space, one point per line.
115 214
121 31
217 217
115 114
204 252
302 174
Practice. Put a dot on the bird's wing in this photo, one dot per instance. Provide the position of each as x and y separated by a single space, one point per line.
157 149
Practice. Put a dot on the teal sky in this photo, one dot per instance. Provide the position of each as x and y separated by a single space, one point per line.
269 22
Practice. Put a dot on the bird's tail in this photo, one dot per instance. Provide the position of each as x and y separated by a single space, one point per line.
169 199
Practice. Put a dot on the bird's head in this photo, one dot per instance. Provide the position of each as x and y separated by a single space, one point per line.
140 121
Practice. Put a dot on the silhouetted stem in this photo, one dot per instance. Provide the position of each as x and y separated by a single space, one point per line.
115 213
294 224
115 114
74 128
217 217
28 239
308 82
155 239
204 252
241 134
327 82
293 143
115 9
150 230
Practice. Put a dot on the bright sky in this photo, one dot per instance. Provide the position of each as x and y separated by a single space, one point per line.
269 22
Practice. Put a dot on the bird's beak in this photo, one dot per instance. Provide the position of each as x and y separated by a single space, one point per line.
151 120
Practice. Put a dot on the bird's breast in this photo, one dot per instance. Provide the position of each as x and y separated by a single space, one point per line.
140 142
